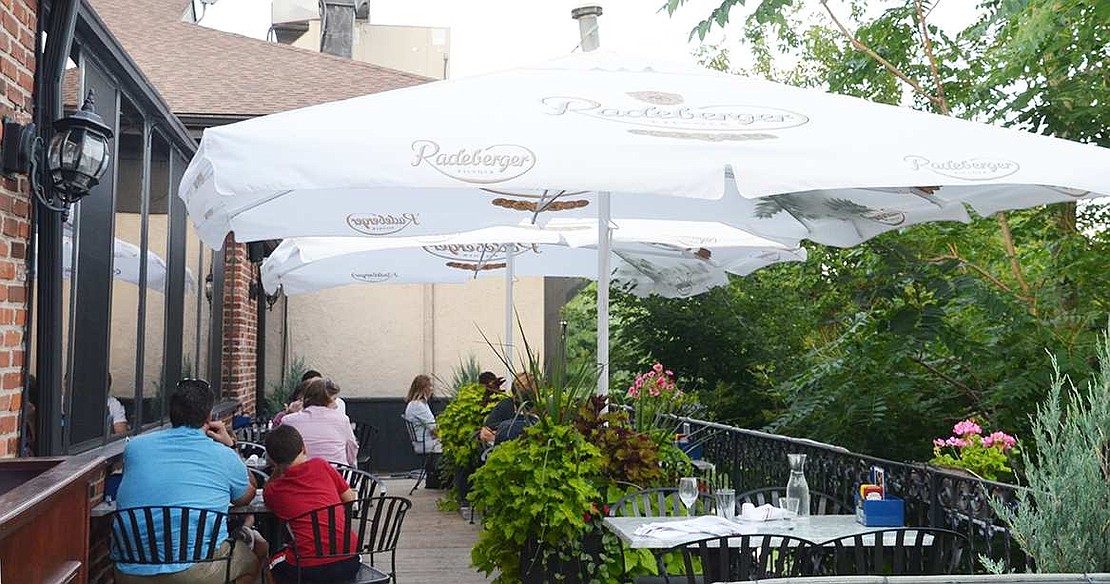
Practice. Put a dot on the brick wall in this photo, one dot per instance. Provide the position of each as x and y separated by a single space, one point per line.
17 66
240 344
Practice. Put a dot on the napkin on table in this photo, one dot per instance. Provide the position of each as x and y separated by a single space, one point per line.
707 525
749 512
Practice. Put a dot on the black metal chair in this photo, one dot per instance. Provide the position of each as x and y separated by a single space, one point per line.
165 539
328 543
417 438
819 503
904 551
261 477
255 432
364 484
387 514
660 502
744 557
246 449
364 433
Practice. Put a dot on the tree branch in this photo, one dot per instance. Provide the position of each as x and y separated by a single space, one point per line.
1027 298
968 390
941 101
859 46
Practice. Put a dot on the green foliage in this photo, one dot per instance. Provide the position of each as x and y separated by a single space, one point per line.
278 393
1062 520
459 423
655 399
537 485
628 456
465 373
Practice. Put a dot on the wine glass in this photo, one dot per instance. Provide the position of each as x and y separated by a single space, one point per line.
688 492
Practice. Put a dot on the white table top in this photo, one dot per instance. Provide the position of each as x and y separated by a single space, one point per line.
818 529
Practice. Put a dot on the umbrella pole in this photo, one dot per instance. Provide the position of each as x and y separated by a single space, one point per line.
509 309
603 240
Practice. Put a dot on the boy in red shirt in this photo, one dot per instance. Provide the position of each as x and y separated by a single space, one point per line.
299 485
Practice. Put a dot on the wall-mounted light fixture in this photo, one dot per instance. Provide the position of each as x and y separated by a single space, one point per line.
77 157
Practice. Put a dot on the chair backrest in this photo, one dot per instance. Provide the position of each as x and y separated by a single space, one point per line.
164 535
386 515
326 541
745 557
660 502
414 436
364 484
364 433
819 503
246 449
260 476
905 551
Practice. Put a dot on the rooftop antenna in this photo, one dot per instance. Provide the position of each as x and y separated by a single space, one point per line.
587 26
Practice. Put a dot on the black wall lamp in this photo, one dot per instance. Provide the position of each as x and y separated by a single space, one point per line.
77 157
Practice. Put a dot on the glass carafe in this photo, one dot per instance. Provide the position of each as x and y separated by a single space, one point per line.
797 487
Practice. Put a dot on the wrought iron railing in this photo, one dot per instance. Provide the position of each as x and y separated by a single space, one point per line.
934 497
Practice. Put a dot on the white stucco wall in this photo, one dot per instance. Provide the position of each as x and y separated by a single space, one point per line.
372 340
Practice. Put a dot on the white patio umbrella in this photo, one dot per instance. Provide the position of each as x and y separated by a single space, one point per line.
126 264
597 122
303 265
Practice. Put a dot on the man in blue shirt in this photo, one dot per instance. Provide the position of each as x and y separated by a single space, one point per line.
190 465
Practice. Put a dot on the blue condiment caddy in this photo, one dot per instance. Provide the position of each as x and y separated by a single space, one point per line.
889 512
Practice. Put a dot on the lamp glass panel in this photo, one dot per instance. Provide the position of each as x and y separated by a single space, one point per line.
92 159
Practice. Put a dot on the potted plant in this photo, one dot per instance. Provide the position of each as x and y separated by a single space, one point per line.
983 456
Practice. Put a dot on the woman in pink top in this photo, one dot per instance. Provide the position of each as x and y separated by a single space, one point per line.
326 431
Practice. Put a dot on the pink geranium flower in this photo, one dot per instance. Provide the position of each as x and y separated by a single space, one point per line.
966 427
658 367
938 442
954 441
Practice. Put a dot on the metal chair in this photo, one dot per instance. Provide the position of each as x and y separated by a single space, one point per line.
327 542
246 449
660 502
819 503
417 438
261 477
254 432
904 551
387 514
745 557
364 484
162 539
364 433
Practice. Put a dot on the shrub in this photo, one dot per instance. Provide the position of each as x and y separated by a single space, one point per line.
1063 519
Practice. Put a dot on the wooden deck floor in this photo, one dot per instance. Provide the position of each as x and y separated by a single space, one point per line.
434 546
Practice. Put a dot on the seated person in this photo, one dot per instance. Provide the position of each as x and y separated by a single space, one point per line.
512 428
326 432
301 484
117 415
193 464
524 391
419 413
296 403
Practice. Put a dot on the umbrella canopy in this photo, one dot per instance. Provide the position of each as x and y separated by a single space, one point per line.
126 264
302 265
597 122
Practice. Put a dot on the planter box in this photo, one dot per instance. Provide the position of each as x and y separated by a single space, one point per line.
536 571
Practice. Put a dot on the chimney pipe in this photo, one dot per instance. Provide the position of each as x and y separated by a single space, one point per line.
337 32
587 26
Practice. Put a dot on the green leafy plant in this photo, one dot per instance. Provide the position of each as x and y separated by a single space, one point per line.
460 421
1062 520
278 393
537 487
628 456
986 456
654 399
465 373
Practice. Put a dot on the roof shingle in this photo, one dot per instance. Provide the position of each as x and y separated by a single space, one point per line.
205 72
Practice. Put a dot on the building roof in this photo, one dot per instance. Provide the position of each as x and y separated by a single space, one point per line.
209 73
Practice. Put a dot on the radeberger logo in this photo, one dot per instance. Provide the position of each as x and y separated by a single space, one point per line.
381 224
668 111
373 277
479 256
483 165
965 169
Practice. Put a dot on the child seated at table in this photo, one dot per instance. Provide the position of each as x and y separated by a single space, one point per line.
299 485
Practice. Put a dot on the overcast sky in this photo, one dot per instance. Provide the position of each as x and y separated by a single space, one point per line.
490 35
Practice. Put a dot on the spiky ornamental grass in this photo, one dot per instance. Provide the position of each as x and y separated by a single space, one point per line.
1062 520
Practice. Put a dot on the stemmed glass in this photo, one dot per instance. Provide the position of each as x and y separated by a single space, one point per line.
688 492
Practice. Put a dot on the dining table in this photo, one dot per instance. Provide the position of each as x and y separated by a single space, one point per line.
816 528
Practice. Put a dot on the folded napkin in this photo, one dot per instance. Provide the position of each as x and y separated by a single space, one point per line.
707 525
749 512
253 460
